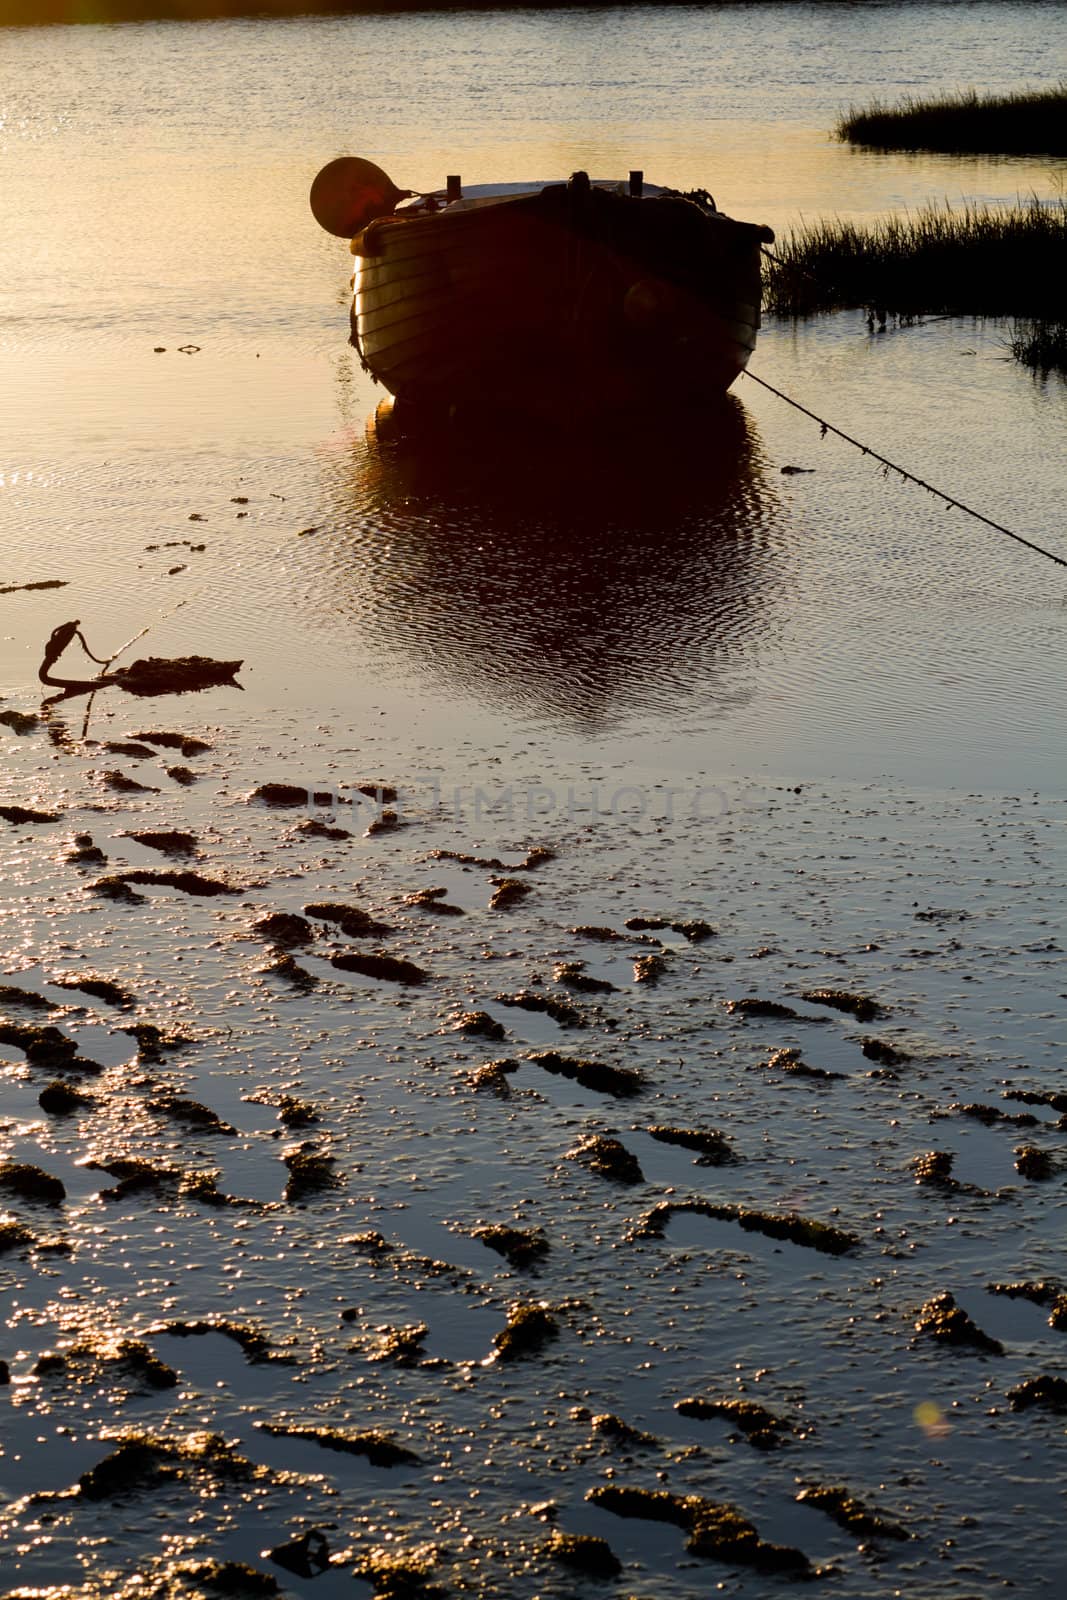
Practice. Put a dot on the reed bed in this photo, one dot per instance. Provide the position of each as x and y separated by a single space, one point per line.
1041 346
1030 122
973 260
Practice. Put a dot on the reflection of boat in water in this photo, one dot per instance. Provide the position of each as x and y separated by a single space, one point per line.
537 298
617 575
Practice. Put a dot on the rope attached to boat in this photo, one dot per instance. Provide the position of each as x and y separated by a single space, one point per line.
906 477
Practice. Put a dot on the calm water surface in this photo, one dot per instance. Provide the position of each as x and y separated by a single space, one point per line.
155 184
818 710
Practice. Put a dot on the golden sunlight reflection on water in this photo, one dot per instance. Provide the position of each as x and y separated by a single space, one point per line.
157 177
656 654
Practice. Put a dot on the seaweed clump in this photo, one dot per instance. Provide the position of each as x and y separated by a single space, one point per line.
934 1167
584 1552
715 1150
850 1513
520 1247
613 1429
752 1006
17 815
24 999
884 1053
478 1023
991 1116
45 1046
1034 1163
169 842
352 920
528 1329
402 1345
183 742
695 929
59 1100
376 1446
572 975
607 1157
236 1580
253 1343
89 1360
434 900
310 1172
181 675
822 1236
152 1041
1043 1293
20 722
83 852
941 1319
283 929
13 1236
140 1461
1038 1097
860 1006
550 1005
113 994
391 969
536 856
26 1181
620 1082
315 828
758 1425
119 783
292 1111
190 1112
789 1060
1047 1392
508 892
279 795
493 1075
715 1528
400 1574
286 967
137 1176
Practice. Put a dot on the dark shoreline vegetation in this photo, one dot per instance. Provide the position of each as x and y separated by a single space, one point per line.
974 260
1041 346
1029 122
37 13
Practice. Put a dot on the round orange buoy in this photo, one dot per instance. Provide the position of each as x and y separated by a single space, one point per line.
350 192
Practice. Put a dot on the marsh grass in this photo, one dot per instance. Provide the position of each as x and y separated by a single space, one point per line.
974 260
1041 345
1029 122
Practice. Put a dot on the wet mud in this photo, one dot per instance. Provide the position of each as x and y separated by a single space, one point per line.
405 1242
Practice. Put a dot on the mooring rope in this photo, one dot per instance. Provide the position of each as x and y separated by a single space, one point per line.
907 477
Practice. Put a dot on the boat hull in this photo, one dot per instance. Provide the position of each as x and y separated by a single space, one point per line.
559 303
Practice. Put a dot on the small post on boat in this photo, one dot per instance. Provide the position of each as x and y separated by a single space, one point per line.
454 187
637 184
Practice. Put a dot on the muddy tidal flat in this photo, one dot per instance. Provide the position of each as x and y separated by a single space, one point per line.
460 1188
548 1083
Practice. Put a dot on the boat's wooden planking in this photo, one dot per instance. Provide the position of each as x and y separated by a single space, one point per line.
507 304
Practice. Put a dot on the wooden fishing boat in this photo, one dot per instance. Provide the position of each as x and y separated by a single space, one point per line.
558 300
